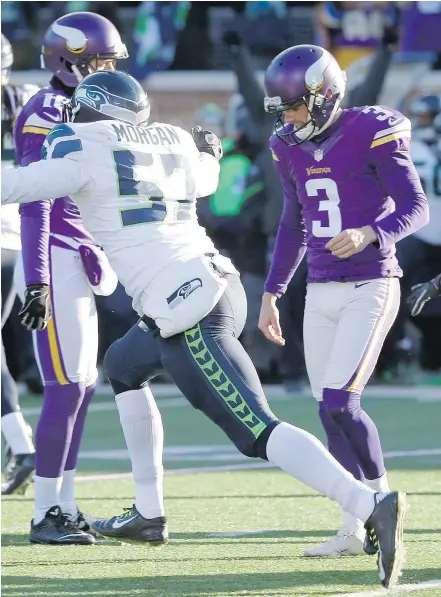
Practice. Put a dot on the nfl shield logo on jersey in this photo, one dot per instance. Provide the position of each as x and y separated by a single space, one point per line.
318 155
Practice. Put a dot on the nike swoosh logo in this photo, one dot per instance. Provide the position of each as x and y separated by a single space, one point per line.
56 118
118 525
362 284
393 120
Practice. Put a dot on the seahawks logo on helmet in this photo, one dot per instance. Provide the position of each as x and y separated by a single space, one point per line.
110 95
92 96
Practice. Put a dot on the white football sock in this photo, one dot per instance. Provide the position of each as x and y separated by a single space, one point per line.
16 434
304 457
381 484
67 493
142 426
353 525
47 495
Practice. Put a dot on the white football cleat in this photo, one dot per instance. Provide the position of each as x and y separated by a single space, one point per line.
345 543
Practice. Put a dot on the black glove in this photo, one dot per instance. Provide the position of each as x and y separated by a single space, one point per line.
36 310
231 38
421 293
207 142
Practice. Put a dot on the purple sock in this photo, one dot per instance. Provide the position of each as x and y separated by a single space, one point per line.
358 427
72 457
338 444
55 427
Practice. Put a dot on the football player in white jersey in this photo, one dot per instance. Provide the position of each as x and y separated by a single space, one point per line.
136 186
17 433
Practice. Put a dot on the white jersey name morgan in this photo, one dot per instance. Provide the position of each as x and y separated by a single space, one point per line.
136 188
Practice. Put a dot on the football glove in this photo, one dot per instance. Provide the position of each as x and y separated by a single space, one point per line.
231 38
36 310
207 142
421 293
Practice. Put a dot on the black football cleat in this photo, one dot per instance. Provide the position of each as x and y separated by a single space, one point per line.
57 528
131 527
385 532
83 523
19 474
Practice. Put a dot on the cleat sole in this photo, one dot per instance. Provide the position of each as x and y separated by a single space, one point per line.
397 566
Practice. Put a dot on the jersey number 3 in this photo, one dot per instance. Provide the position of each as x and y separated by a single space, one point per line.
330 204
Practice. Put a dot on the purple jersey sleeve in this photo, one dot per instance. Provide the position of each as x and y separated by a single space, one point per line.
290 245
398 177
33 124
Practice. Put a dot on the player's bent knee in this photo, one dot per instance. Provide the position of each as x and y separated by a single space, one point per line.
112 359
256 447
112 363
338 403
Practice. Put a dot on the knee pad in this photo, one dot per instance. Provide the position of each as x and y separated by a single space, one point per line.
340 404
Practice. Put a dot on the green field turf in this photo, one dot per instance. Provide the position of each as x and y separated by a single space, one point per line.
233 533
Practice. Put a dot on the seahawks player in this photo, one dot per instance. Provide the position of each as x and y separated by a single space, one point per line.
350 193
61 271
21 461
136 186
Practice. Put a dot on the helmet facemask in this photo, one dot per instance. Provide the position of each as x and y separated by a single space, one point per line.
316 123
84 66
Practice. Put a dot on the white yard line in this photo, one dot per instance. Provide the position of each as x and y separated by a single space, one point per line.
181 471
227 453
240 533
170 397
224 452
399 590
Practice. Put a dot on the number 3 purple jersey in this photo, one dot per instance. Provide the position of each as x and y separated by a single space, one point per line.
359 173
38 220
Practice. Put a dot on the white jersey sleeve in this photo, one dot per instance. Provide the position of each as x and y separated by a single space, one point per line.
204 167
51 177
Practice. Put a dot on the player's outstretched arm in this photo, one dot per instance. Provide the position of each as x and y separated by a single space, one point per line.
42 180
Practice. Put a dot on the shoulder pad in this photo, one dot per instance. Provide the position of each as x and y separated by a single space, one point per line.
276 147
44 111
61 141
26 92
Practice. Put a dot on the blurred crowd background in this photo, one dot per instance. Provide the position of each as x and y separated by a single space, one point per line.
202 63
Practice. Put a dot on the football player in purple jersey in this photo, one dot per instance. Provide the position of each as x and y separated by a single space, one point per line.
61 271
192 335
20 453
351 192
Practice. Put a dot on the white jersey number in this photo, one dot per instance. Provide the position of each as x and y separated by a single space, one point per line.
330 204
157 178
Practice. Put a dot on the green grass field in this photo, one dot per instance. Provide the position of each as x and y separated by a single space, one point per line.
234 533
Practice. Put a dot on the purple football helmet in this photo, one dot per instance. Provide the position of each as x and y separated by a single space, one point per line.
72 41
307 75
